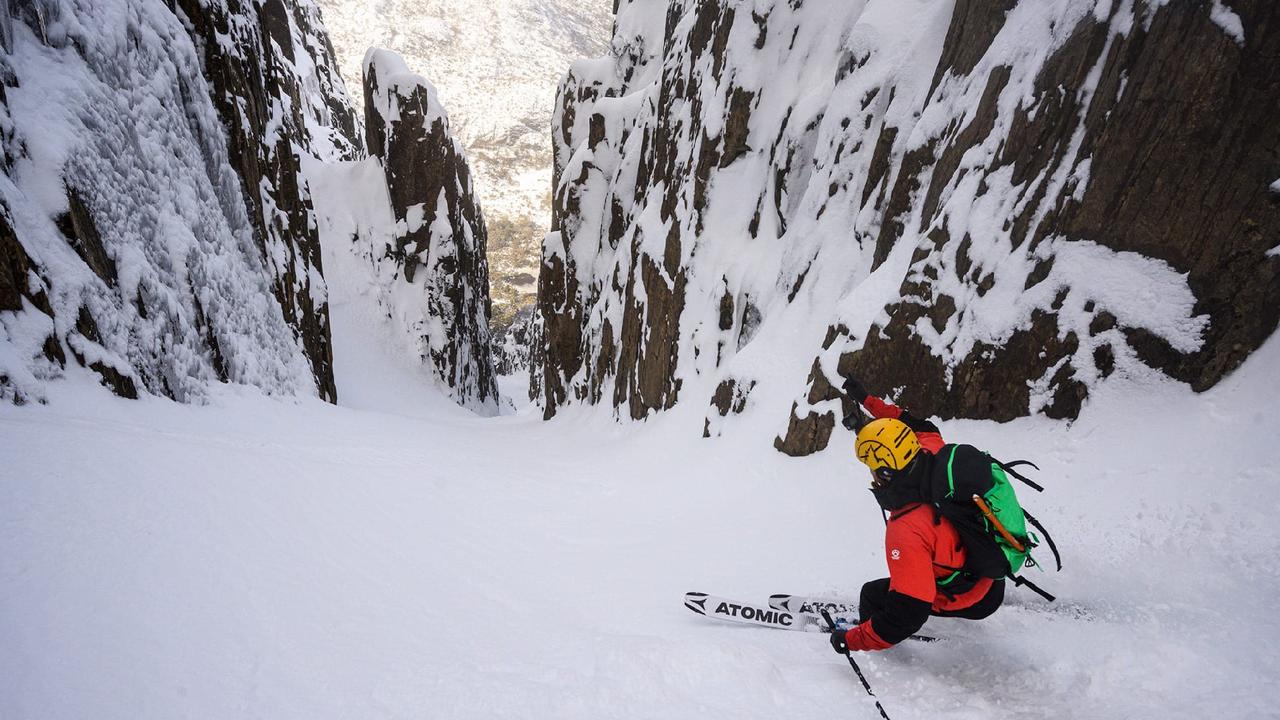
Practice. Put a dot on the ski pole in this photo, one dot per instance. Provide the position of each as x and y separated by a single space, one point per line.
853 664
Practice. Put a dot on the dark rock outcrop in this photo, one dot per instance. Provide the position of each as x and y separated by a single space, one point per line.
729 398
1187 187
1059 193
440 243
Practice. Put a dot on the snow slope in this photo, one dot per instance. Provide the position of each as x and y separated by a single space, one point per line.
284 558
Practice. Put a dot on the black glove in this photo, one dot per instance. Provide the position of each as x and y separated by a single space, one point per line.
837 640
855 390
854 420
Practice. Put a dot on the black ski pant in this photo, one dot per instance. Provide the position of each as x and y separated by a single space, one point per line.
875 600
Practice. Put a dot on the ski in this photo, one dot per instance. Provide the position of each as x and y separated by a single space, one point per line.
813 605
750 614
720 608
845 612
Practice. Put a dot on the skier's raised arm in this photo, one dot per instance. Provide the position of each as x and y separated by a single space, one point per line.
928 433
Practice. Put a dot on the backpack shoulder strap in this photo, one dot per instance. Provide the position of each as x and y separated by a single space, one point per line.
968 466
951 475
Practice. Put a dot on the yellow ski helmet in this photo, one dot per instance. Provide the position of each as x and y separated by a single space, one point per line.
886 442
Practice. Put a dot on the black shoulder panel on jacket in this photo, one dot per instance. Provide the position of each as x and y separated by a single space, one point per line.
919 425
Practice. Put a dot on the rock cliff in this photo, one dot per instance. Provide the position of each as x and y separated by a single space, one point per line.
274 79
496 65
156 225
983 209
441 278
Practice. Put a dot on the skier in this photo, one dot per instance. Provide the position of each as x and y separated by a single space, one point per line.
924 550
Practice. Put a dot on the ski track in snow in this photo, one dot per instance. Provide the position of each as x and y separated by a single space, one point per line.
273 558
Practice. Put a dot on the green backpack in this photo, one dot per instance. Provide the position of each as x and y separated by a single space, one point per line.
972 490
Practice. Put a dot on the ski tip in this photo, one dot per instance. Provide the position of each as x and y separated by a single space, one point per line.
696 602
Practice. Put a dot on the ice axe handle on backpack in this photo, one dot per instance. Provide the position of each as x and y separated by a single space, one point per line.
995 523
1009 538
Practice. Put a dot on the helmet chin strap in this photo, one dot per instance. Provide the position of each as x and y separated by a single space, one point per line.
895 488
882 476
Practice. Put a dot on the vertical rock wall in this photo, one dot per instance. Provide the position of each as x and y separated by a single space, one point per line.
156 225
602 275
274 81
1139 145
984 209
442 279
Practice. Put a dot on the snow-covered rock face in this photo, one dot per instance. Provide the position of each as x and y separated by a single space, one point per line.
512 344
153 222
274 80
441 287
981 208
496 65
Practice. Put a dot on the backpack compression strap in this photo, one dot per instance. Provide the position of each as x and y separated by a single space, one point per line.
1053 548
1023 581
1009 468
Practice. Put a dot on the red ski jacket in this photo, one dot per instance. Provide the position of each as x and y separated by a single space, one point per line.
921 548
